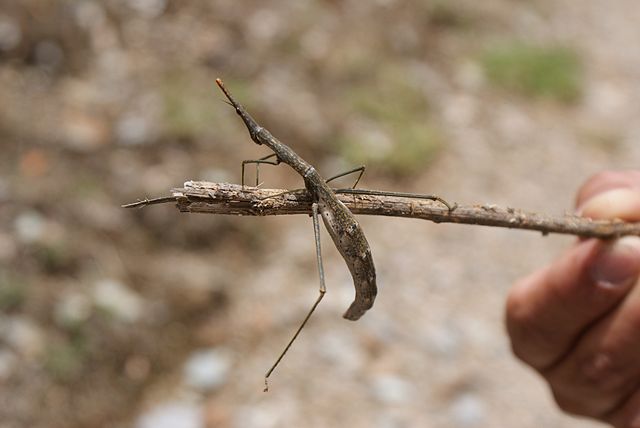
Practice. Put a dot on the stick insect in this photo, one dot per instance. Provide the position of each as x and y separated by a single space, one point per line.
346 233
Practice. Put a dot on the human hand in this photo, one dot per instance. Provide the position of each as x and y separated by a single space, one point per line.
577 321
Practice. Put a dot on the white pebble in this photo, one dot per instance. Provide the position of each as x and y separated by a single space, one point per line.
29 226
208 369
72 308
171 415
468 410
118 300
392 389
23 336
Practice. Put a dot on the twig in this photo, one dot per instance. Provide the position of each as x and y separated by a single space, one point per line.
225 198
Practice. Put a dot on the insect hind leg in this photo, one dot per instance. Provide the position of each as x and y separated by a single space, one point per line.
322 291
257 162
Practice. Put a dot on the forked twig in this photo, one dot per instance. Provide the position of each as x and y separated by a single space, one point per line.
233 199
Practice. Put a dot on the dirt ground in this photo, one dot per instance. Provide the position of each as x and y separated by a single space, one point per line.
152 318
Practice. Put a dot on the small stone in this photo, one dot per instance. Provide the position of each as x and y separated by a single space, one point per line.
444 342
10 33
207 369
468 410
149 8
264 25
133 130
118 300
391 389
258 416
89 14
172 414
23 336
29 226
72 309
341 350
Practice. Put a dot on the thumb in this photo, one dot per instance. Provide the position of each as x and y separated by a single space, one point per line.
548 310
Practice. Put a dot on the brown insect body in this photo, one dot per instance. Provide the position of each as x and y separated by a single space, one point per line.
346 233
350 241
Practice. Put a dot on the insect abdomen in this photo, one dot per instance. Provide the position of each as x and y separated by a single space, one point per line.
354 248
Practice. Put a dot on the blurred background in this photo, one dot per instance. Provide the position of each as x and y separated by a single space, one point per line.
152 318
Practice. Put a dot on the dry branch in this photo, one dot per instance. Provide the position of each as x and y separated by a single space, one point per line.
225 198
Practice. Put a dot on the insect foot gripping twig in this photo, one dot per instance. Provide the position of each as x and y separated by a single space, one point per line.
346 233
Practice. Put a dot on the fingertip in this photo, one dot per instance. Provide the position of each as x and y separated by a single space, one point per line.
621 203
607 180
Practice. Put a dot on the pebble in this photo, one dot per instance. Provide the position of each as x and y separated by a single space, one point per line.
264 25
10 33
149 8
89 15
258 416
468 410
29 226
23 336
392 389
118 299
173 414
207 369
444 341
133 130
606 99
341 350
72 308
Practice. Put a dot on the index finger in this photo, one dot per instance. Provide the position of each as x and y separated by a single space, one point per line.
611 194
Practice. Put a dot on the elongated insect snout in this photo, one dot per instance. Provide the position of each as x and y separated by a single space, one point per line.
252 125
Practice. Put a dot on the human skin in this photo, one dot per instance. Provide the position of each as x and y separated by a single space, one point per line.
577 321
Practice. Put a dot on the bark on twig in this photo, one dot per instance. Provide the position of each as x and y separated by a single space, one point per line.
225 198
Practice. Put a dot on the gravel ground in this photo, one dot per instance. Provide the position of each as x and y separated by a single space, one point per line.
156 319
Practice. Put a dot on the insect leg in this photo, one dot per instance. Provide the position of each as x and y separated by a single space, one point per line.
323 290
359 169
258 162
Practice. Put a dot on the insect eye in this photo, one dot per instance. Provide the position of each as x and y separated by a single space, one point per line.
238 110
